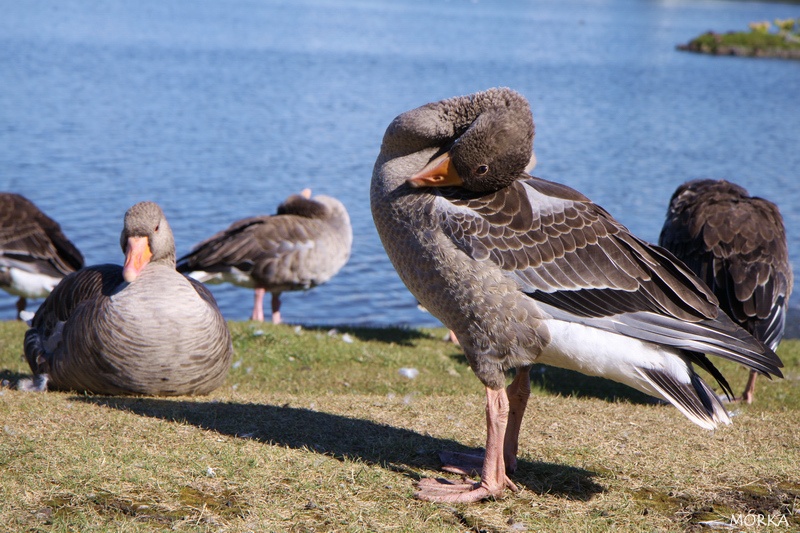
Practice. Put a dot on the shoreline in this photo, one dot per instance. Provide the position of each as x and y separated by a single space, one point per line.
700 47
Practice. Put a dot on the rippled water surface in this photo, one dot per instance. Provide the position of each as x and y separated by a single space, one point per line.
219 110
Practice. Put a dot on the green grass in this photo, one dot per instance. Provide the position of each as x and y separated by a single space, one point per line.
318 431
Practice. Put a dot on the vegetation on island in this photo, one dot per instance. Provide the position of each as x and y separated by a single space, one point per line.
780 39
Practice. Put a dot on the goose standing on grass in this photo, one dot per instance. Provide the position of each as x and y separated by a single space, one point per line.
304 245
736 244
34 253
527 271
142 328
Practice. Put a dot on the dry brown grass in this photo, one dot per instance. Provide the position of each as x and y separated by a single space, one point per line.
311 433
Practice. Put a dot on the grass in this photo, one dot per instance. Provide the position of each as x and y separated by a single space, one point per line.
318 431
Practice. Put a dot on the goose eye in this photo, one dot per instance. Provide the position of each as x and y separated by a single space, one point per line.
481 170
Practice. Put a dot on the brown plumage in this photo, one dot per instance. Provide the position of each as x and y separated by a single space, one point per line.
142 328
524 271
34 253
303 245
735 243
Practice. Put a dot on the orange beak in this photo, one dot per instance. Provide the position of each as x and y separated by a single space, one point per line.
438 173
137 256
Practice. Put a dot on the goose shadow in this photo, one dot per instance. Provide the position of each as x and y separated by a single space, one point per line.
562 382
390 335
344 438
570 383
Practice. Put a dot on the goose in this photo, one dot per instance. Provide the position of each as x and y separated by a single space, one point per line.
525 270
735 243
302 246
34 253
141 328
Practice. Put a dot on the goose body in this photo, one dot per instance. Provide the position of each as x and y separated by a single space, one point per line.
141 328
300 247
736 244
35 255
524 271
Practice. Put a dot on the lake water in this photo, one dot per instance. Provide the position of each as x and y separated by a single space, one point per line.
218 110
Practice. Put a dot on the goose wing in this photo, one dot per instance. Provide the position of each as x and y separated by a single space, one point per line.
235 246
270 248
581 265
32 241
737 245
84 287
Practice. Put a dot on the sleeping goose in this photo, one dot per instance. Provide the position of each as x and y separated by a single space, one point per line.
304 245
527 271
141 328
736 244
34 253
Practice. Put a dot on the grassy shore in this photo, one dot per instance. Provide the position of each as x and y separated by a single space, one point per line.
762 40
319 430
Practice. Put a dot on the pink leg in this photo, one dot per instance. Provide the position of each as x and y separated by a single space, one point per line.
276 308
453 338
258 305
518 393
468 464
493 474
750 390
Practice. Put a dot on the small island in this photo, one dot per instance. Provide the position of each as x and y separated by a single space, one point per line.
781 40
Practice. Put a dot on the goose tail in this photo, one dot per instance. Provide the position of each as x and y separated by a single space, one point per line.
37 383
696 400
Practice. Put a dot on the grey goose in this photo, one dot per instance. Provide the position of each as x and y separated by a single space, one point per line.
525 271
34 253
300 247
141 328
735 243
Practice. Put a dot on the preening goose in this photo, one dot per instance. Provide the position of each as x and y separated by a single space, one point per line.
526 271
141 328
303 245
736 244
34 253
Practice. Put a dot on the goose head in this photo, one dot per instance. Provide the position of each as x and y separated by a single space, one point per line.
493 152
687 193
146 238
302 205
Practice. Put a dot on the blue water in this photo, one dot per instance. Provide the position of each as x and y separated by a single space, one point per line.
220 109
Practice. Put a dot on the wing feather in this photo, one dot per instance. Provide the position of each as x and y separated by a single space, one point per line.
249 242
32 241
581 265
737 245
557 244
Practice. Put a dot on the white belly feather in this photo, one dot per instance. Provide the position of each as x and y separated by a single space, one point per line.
30 285
605 354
